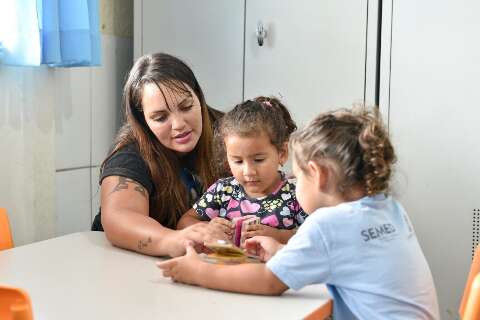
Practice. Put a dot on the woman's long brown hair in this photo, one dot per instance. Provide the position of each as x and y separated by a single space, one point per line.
171 198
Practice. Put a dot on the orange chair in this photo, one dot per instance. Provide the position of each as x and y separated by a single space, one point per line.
15 304
6 241
470 306
324 312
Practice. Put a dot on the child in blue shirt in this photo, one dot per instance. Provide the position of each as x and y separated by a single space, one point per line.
357 240
255 136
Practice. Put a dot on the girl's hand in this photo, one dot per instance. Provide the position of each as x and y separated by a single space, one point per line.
220 229
264 247
280 235
183 269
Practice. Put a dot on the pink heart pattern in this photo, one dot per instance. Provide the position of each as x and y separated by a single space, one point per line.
272 221
232 204
226 199
247 207
287 222
211 213
233 214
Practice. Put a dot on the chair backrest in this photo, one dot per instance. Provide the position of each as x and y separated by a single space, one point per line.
324 312
472 308
470 305
6 241
15 304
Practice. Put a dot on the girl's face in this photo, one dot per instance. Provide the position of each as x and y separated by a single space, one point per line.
307 189
254 162
175 119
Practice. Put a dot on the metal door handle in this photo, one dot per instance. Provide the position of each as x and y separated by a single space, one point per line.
261 33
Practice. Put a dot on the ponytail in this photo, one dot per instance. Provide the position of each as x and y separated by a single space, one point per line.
266 114
355 140
378 154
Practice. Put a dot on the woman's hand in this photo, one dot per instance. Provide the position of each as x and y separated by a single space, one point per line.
264 247
198 234
183 269
253 230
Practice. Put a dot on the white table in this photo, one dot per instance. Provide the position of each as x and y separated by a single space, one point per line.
82 276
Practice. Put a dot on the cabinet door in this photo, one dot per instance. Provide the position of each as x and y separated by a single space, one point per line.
433 98
314 54
207 35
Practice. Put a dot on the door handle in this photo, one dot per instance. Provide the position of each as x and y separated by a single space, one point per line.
261 33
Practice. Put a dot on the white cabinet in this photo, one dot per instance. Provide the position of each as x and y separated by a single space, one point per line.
432 95
207 35
317 54
314 55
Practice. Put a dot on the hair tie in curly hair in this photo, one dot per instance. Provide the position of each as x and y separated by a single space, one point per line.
267 103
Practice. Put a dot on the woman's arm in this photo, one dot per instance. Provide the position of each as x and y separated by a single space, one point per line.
126 221
253 278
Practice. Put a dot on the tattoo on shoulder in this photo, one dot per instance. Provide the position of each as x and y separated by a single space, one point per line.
123 185
142 244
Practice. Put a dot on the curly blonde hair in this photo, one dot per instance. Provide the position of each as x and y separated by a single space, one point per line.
355 140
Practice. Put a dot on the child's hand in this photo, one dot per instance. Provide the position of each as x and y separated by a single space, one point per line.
182 269
264 247
221 228
253 230
280 235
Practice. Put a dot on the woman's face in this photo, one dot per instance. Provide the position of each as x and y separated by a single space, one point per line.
174 117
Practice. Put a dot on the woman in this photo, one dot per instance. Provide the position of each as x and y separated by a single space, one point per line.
161 160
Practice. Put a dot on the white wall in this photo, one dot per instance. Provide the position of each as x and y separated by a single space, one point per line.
430 87
27 144
56 126
87 118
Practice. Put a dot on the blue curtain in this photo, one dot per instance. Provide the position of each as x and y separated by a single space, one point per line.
57 33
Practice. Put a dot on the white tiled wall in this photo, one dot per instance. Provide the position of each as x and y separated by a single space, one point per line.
27 144
107 83
95 190
73 201
87 117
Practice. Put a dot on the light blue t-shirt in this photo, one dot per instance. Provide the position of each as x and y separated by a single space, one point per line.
367 254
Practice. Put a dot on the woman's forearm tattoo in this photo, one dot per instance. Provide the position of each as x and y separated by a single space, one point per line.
123 185
142 244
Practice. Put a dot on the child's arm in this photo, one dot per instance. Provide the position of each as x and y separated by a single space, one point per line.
281 235
263 247
217 228
190 217
253 278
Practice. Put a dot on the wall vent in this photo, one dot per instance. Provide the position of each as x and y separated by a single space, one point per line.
476 230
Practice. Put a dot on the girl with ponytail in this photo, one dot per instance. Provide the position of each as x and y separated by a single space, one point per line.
254 137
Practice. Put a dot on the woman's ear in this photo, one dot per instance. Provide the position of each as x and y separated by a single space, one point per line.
283 154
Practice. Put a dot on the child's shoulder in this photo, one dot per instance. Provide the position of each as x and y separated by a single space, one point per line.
228 184
289 183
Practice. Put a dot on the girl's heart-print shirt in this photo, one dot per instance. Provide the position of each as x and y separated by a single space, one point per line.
227 199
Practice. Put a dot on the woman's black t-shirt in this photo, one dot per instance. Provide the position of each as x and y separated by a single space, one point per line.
127 162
